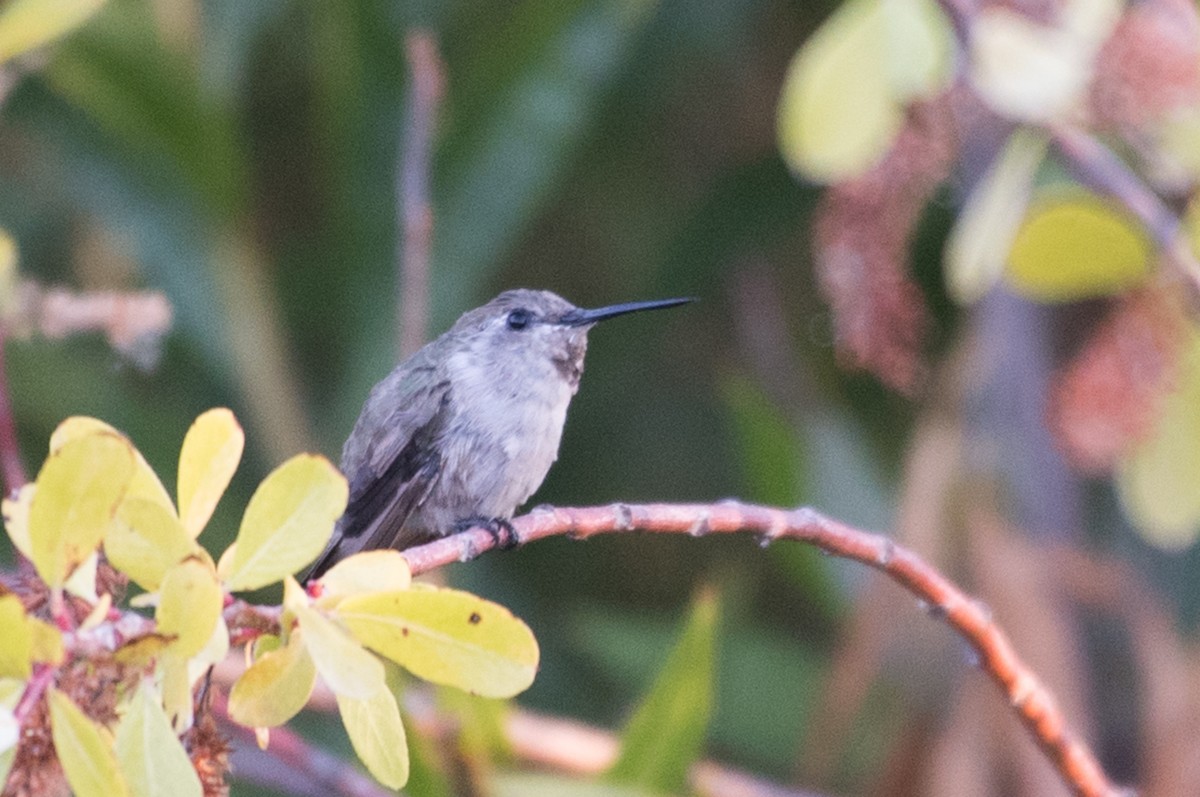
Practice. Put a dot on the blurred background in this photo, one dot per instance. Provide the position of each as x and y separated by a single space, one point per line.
926 306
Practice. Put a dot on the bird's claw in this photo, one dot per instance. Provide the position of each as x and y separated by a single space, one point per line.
503 534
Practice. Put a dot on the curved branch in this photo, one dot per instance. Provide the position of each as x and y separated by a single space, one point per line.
1032 701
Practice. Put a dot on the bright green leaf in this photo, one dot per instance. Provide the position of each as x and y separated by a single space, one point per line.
287 523
85 750
446 637
377 734
16 518
978 247
144 484
1157 481
211 452
151 758
275 688
666 734
1076 246
344 665
837 114
370 571
28 24
189 605
16 654
145 541
78 491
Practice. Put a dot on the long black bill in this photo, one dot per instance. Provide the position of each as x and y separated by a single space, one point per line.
579 318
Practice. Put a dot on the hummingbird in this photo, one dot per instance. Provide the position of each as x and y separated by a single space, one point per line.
465 430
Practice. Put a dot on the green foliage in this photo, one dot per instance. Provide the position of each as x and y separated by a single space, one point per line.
666 734
97 490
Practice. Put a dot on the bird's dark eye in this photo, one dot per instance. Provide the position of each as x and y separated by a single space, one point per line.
518 319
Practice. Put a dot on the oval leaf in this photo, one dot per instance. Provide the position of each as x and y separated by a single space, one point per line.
344 665
370 571
144 484
377 734
78 491
189 605
16 654
275 688
16 518
287 523
839 112
447 637
28 24
84 749
151 758
211 452
145 541
1076 246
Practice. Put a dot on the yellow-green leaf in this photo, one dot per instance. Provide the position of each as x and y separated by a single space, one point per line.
377 734
1076 245
176 689
145 541
275 688
85 750
214 651
978 247
370 571
16 654
82 581
447 637
843 96
287 523
535 784
666 734
28 24
211 452
151 758
139 652
78 490
343 663
144 484
16 518
189 605
47 642
1157 481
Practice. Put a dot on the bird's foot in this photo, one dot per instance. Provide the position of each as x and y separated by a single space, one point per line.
503 533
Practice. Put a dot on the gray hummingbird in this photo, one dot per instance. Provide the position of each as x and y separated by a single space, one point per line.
465 430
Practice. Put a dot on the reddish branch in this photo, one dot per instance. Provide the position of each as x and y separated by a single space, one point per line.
1029 698
425 92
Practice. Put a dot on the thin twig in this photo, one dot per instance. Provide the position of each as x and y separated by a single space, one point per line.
1034 704
425 92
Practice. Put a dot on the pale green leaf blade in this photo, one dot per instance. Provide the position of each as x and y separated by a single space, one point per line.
666 734
1075 245
839 110
16 518
1157 481
84 749
275 688
446 637
977 250
189 605
16 653
11 690
145 541
211 452
377 734
78 491
28 24
150 755
920 47
370 571
527 784
287 523
341 660
145 483
176 689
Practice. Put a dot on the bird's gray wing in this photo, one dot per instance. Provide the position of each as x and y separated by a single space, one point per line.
391 461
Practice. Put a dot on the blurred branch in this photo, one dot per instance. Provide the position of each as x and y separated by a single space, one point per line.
1034 704
425 92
